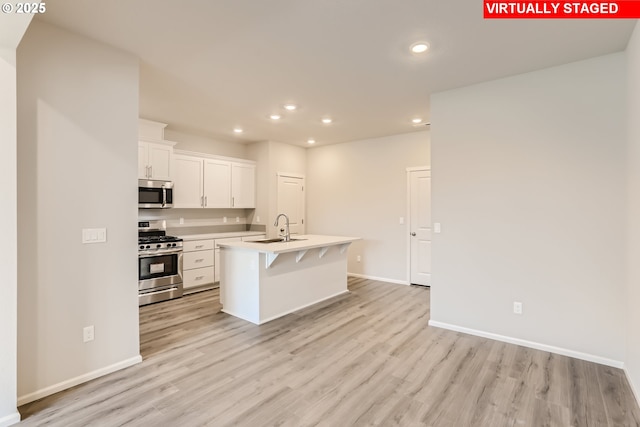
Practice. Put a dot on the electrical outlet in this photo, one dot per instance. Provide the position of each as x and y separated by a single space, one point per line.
257 219
237 219
181 220
358 258
224 219
401 221
517 307
88 333
436 227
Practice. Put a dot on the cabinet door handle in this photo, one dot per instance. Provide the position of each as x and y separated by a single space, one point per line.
205 201
413 233
151 171
233 201
146 171
202 201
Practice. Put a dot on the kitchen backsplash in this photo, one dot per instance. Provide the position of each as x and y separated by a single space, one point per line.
202 221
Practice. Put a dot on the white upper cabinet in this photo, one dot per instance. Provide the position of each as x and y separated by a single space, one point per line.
243 185
204 182
155 154
187 182
217 183
154 160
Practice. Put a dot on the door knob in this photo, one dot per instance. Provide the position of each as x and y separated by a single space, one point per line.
413 233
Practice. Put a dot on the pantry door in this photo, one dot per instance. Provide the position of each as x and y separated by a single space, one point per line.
291 201
420 226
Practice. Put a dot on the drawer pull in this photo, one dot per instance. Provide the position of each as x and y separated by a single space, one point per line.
199 246
199 260
199 277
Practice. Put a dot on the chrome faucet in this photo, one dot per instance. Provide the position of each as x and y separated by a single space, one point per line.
287 235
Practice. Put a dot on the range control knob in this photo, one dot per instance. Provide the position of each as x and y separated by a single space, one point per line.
148 246
142 247
158 245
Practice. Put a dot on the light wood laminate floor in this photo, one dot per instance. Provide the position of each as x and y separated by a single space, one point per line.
364 358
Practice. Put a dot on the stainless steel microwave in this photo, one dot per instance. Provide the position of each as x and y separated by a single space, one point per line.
155 194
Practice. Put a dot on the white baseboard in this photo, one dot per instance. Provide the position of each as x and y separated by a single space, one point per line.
39 394
380 279
530 344
636 392
9 420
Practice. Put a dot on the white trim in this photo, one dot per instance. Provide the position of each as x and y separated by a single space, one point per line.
380 279
290 175
418 168
10 419
39 394
213 156
530 344
636 392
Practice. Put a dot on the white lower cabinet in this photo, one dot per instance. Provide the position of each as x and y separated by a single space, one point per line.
198 265
201 262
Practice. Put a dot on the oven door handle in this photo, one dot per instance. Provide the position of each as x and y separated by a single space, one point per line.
155 254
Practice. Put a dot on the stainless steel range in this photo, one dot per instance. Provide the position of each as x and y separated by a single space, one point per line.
159 264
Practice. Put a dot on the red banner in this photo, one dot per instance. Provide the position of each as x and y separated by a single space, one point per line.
622 9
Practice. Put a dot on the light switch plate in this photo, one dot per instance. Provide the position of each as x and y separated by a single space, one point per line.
436 227
94 235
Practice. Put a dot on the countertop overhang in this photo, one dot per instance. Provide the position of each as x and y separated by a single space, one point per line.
310 241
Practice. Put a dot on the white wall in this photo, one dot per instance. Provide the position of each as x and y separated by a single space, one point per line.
12 28
202 144
529 183
632 362
77 151
359 188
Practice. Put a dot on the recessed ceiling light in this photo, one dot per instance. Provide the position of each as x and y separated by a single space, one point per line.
416 120
311 141
419 47
326 120
275 117
237 130
290 107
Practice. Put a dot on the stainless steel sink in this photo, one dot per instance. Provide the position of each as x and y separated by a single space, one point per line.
274 240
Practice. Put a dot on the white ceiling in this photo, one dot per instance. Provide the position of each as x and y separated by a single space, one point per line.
207 66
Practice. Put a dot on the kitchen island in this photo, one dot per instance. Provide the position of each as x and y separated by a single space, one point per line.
260 282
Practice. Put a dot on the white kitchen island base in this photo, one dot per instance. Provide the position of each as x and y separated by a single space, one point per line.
260 282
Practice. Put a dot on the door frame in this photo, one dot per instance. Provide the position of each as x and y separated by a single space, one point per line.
408 216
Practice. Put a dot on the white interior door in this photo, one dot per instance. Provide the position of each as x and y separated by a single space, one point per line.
291 201
420 226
